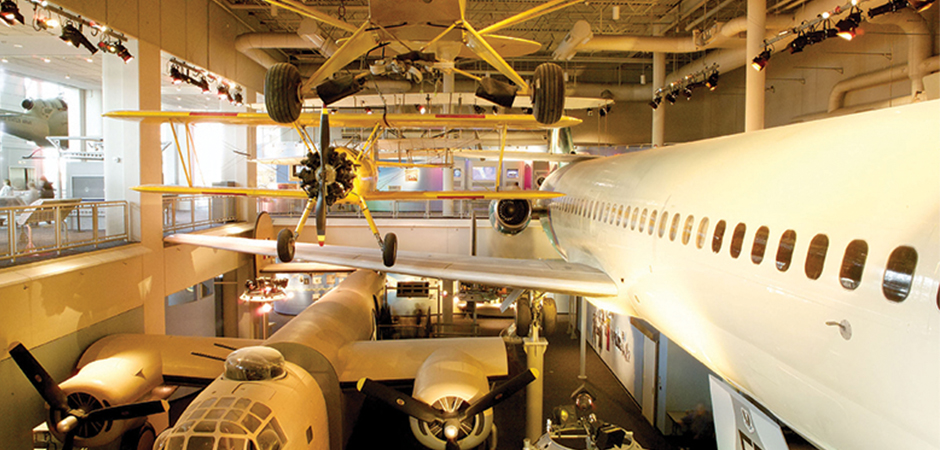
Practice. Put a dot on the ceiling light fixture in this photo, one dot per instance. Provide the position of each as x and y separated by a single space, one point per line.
712 82
654 103
74 37
891 6
122 52
760 61
10 13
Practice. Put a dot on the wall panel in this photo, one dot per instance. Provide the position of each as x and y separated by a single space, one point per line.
174 32
197 45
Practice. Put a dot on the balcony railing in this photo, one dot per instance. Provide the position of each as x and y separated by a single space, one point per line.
58 225
190 212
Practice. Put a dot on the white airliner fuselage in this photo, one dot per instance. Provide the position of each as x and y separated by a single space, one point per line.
43 118
818 296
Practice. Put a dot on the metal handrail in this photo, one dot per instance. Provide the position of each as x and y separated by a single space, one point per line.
65 219
203 211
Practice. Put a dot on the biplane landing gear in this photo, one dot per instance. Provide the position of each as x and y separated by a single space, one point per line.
548 93
389 249
285 245
282 93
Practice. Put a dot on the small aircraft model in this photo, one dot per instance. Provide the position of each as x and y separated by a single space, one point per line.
283 392
425 36
43 118
336 175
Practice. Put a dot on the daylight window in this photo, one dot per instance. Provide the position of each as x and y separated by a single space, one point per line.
899 274
663 220
718 236
785 250
619 215
636 211
816 256
853 264
702 233
626 217
643 220
737 240
687 229
652 222
760 245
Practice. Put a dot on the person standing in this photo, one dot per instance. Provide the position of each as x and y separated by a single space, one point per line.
6 190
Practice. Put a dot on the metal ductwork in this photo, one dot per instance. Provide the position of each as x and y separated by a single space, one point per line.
307 36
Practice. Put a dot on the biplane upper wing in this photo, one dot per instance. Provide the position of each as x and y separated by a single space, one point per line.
458 195
237 191
461 121
543 275
294 160
522 156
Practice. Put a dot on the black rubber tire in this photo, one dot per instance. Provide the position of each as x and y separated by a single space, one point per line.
549 316
548 93
139 439
285 245
282 93
523 316
390 249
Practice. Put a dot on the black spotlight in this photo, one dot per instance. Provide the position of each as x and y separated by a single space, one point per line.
122 52
604 110
671 97
687 92
477 109
10 13
846 27
760 61
654 103
175 75
891 6
712 82
798 44
74 37
203 84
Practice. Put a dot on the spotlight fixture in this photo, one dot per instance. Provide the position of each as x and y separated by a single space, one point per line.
421 109
10 13
222 91
122 52
176 75
604 110
797 44
237 99
891 6
921 6
671 97
477 109
368 110
74 37
712 82
106 46
846 27
760 61
203 84
687 92
654 103
44 23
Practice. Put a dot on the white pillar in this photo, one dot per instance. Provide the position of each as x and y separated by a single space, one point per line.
447 206
447 302
535 355
754 88
659 114
582 375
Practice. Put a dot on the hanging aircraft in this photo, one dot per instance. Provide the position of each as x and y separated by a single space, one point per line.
337 175
43 118
283 392
798 263
425 37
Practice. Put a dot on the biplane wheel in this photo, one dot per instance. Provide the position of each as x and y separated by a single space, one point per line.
285 245
549 315
548 93
523 316
282 93
390 249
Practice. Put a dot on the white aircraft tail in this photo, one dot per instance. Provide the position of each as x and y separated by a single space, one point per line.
739 424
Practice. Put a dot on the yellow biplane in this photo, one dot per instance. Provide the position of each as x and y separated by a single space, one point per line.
425 34
338 175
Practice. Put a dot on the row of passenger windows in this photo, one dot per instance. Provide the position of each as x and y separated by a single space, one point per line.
898 275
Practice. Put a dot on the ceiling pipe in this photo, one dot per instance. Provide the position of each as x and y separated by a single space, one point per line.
880 77
307 36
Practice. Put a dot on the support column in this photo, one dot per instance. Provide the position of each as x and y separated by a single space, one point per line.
659 114
582 374
447 206
754 88
535 351
133 157
447 302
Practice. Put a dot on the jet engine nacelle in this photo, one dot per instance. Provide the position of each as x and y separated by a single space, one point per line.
121 379
510 216
448 381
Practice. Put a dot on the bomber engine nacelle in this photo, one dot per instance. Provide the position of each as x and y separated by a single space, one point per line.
452 405
510 216
105 399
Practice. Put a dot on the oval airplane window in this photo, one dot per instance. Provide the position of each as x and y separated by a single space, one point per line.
899 274
643 220
636 211
662 223
702 233
626 217
737 240
719 236
619 215
674 228
816 256
687 229
760 245
652 222
785 250
853 264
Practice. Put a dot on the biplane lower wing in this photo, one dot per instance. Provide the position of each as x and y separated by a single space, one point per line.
542 275
235 191
458 121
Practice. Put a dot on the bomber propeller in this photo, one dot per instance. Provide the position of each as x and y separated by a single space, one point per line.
79 415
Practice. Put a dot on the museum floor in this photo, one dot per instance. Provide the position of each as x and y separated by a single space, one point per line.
381 427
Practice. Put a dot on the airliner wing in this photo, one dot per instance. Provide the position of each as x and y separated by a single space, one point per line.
459 121
542 275
459 195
